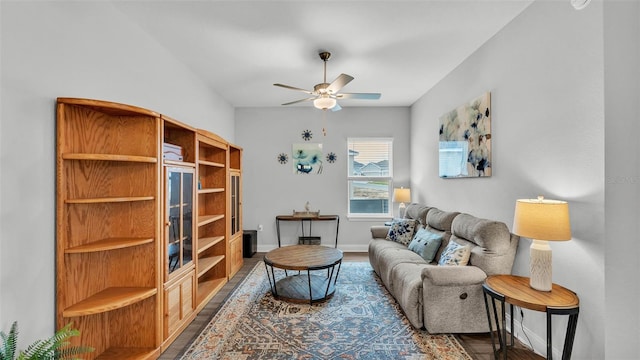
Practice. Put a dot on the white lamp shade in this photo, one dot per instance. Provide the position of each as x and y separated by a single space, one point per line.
402 195
542 219
324 102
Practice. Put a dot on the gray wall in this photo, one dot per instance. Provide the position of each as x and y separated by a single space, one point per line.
546 74
622 176
69 49
270 189
555 75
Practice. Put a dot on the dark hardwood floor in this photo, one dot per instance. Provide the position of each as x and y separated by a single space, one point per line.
477 345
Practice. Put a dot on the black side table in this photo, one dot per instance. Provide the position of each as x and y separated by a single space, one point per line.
515 290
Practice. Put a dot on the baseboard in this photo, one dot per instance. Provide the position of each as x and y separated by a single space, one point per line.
539 344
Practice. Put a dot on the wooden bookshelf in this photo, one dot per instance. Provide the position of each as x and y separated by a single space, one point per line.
107 262
144 210
212 239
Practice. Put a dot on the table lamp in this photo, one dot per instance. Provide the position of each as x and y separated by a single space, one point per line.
402 196
541 220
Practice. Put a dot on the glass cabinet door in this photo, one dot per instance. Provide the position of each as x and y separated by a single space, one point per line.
179 225
235 203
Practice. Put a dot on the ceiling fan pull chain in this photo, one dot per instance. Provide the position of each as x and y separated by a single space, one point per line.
324 122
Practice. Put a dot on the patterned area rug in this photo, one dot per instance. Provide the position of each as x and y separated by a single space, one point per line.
361 321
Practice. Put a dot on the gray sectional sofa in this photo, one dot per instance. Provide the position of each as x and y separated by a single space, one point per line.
443 298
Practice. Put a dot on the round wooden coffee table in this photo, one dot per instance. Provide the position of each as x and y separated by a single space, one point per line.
300 287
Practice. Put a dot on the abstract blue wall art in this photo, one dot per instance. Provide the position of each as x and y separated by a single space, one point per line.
307 158
465 140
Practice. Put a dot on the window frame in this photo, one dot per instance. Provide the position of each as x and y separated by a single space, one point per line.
388 178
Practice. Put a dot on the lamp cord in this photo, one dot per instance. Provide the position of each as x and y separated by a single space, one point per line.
522 328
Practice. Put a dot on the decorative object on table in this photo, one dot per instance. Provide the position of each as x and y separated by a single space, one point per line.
325 95
306 214
465 140
541 220
326 329
307 158
283 158
401 195
307 135
331 157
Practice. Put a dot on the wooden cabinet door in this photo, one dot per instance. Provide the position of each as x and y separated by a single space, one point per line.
235 248
179 304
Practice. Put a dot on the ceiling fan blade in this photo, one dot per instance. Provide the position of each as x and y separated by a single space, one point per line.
301 100
339 83
336 107
293 88
366 96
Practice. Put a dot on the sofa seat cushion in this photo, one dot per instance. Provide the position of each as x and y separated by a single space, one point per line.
376 246
390 257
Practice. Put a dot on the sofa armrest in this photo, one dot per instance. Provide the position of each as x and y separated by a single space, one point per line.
453 275
379 231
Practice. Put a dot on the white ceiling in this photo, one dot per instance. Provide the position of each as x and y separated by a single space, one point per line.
398 48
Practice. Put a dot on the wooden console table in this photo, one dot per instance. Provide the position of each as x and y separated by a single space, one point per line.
515 290
310 219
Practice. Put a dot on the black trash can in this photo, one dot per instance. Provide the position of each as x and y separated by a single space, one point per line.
249 243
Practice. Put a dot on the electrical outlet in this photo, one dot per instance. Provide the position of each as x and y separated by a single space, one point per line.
260 227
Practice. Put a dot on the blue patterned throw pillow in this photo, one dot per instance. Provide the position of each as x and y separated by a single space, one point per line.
401 231
426 244
455 254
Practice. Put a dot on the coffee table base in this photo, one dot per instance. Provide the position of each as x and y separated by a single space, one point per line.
304 287
295 288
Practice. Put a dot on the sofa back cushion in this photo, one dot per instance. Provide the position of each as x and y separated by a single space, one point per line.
493 247
417 212
439 222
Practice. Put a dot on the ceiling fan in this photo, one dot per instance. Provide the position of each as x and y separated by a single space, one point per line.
325 95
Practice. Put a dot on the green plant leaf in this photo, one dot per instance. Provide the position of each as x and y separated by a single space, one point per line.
57 347
9 343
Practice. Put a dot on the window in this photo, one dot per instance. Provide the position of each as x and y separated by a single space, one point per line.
369 176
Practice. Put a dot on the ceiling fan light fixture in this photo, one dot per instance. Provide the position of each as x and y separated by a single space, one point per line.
324 102
580 4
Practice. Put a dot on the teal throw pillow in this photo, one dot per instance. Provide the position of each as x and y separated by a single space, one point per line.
426 244
401 231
